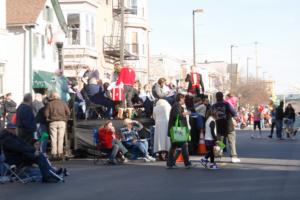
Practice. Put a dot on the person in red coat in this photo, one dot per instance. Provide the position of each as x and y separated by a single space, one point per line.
107 140
127 79
195 82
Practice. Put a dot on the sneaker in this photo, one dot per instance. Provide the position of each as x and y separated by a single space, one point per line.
270 136
124 159
235 160
252 136
65 172
204 162
146 159
190 166
150 158
213 166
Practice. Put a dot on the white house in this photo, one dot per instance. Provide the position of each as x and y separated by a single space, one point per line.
33 26
3 42
80 50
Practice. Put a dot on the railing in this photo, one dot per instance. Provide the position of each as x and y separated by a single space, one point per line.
111 48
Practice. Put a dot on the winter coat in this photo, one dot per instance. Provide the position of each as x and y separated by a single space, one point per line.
57 110
290 113
225 113
26 118
16 151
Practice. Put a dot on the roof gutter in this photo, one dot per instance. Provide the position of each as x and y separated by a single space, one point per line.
60 16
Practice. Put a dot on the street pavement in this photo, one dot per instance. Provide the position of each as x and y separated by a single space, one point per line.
270 169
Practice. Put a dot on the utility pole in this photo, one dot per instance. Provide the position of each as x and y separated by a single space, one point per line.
231 57
122 38
194 35
248 58
256 58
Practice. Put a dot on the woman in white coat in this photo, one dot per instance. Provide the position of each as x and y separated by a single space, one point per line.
161 114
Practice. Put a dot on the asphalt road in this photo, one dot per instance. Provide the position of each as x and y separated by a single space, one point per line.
270 169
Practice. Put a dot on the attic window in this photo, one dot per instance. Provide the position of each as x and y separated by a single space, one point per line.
48 14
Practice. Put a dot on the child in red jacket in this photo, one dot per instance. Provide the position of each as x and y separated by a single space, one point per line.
108 140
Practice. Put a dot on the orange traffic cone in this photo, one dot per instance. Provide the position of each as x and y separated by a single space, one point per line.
201 146
180 158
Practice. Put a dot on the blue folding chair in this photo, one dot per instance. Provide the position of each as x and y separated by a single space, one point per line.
99 153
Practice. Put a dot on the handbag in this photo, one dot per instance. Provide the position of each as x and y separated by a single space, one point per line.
179 133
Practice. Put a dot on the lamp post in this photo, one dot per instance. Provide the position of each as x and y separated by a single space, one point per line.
194 35
231 47
59 42
248 58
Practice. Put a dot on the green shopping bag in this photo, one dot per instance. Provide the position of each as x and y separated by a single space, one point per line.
179 133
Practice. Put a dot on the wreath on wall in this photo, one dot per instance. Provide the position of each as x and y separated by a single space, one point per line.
49 34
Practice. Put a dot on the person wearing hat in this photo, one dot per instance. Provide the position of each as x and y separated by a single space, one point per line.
20 153
9 107
133 142
26 122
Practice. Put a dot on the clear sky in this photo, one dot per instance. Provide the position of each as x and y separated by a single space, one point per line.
275 24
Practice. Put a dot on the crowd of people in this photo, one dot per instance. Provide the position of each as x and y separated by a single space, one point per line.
270 116
29 127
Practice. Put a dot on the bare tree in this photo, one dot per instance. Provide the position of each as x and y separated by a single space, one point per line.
253 92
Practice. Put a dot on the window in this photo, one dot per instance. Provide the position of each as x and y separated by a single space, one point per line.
132 4
134 43
48 14
35 45
43 46
87 30
93 31
73 21
54 50
90 30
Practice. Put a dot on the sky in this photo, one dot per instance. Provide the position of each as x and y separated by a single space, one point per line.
274 24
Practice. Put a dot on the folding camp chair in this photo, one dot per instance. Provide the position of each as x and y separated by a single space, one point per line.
8 173
99 154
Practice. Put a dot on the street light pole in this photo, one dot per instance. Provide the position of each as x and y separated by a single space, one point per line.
256 58
248 58
122 38
194 35
231 59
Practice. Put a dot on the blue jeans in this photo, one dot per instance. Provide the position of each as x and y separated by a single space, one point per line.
44 165
117 147
140 148
279 124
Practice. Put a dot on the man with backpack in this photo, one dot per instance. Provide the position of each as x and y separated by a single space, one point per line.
226 124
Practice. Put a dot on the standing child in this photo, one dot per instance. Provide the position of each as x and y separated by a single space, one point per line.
210 140
257 122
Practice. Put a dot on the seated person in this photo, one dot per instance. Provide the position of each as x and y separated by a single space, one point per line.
101 99
19 153
91 89
108 140
80 104
148 99
132 141
161 91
